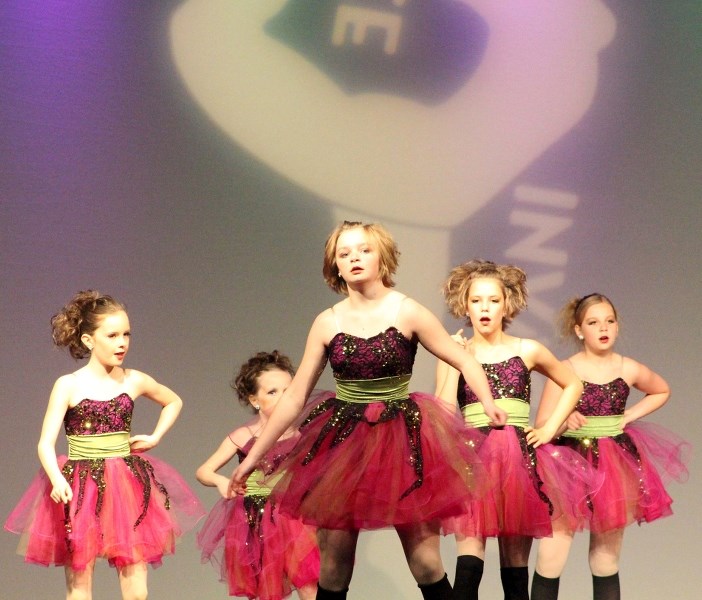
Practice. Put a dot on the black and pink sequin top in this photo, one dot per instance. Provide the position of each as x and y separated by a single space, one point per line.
508 379
90 417
603 399
386 354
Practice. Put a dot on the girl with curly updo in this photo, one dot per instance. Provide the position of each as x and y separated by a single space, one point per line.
105 500
534 483
634 458
259 552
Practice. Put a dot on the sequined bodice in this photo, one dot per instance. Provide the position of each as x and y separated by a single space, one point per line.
508 379
386 354
604 399
90 417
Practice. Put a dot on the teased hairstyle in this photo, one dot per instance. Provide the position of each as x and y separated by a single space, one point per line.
512 281
82 315
378 237
573 313
245 384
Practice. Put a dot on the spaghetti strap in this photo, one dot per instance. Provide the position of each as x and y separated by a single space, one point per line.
336 320
397 313
572 368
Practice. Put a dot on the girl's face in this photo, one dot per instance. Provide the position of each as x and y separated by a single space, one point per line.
599 328
271 385
356 258
486 305
110 341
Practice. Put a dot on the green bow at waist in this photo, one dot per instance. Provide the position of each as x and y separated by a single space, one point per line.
99 445
598 427
517 413
365 391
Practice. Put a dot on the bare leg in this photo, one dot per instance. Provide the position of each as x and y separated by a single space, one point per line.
420 543
132 581
553 552
605 549
337 550
307 592
79 584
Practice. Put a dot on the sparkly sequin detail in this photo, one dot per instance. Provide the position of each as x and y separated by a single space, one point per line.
603 400
92 417
387 354
507 379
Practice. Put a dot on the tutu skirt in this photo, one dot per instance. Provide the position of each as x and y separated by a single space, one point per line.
258 552
126 510
531 488
368 466
635 467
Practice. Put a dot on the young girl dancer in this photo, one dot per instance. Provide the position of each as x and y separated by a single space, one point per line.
105 500
373 455
533 483
260 552
631 456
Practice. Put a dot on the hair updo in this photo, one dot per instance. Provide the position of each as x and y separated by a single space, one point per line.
82 315
245 384
573 313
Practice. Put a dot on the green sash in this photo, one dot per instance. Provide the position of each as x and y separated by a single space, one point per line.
100 445
365 391
517 413
598 427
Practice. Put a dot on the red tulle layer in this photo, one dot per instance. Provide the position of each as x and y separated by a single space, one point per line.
267 560
634 487
364 474
531 488
111 534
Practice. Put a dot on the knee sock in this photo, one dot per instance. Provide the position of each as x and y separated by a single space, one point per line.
323 594
439 590
515 582
544 588
469 572
606 588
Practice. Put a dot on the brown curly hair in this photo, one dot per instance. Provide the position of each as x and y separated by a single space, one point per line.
378 237
512 281
245 384
82 315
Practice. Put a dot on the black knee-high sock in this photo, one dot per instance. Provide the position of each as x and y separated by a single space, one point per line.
469 572
544 588
439 590
323 594
606 588
515 582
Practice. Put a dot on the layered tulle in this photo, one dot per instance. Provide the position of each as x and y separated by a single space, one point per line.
131 521
635 467
531 488
379 464
258 552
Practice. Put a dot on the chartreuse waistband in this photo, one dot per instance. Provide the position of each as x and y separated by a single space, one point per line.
517 413
254 487
365 391
598 427
100 445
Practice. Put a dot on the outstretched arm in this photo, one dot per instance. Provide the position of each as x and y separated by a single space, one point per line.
290 404
436 340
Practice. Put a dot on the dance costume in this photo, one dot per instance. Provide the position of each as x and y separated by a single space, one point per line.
125 508
259 552
373 455
531 486
633 461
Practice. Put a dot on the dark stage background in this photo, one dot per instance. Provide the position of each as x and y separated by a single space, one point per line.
191 157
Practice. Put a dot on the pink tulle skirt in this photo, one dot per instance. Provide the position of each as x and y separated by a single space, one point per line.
531 488
257 551
134 523
635 468
379 465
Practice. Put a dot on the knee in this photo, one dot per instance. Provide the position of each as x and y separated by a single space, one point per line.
603 564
